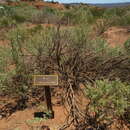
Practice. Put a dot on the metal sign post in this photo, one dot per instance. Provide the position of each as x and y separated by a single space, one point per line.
46 81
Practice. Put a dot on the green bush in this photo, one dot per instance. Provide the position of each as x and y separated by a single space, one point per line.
97 12
7 22
4 58
20 13
127 46
81 16
108 100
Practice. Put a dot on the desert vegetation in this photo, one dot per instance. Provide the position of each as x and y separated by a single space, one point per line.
68 43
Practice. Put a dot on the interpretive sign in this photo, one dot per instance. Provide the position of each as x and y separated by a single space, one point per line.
45 80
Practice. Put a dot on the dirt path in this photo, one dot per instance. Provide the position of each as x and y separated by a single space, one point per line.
24 120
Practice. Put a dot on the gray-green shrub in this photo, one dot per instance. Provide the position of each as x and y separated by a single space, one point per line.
108 100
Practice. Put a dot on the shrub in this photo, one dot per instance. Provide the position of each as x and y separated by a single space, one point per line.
46 15
16 81
101 25
127 46
7 22
20 13
78 16
108 100
97 12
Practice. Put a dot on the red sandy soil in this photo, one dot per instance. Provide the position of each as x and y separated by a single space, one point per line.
4 43
40 4
29 25
46 4
117 36
24 120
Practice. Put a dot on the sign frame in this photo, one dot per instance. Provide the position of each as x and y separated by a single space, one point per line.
45 83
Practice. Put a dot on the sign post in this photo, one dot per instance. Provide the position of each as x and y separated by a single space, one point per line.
48 101
46 81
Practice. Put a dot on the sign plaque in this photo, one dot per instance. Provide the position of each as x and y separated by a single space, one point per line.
45 80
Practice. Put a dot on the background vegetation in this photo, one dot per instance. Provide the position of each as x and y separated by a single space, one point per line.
68 49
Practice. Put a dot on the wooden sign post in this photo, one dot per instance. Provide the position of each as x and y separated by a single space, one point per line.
46 81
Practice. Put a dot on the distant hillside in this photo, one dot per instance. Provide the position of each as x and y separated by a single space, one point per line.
109 5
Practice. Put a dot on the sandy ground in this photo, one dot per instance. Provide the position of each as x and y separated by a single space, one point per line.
24 120
117 36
